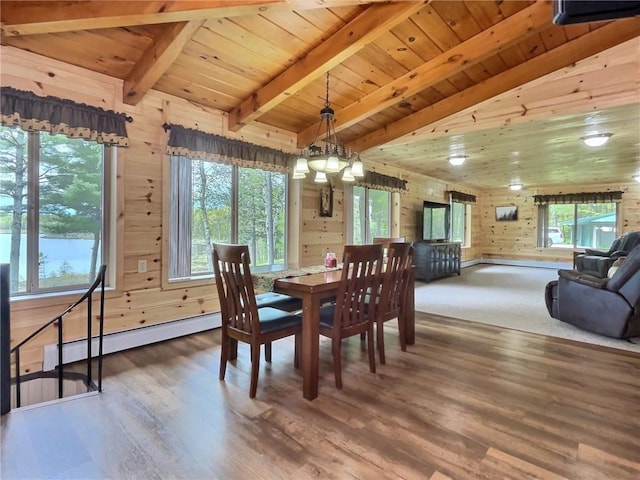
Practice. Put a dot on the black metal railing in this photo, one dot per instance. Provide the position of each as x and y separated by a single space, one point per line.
87 378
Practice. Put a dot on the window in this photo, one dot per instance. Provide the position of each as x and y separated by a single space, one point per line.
371 214
214 202
54 193
459 222
577 225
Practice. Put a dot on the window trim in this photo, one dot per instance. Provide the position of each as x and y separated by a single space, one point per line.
466 233
350 224
168 283
543 220
53 295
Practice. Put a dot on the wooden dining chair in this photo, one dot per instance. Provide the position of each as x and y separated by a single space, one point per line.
242 319
348 316
388 305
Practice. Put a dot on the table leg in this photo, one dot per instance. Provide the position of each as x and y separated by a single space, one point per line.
310 345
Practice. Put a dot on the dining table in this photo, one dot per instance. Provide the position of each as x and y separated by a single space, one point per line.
313 290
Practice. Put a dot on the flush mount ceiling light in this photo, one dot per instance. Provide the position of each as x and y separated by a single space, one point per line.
331 157
457 159
515 186
596 139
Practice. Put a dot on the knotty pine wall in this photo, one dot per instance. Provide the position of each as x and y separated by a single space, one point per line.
143 298
517 240
140 298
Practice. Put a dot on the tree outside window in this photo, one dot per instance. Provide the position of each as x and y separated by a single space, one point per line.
371 214
52 221
218 203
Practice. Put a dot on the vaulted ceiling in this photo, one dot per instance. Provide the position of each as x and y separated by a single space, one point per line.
411 82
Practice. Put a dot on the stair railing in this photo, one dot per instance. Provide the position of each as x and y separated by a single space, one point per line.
88 379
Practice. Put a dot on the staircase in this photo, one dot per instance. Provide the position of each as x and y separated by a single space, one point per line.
65 380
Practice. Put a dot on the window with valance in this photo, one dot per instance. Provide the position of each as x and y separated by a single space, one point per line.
578 220
460 216
197 145
224 190
33 113
584 197
461 197
379 181
56 155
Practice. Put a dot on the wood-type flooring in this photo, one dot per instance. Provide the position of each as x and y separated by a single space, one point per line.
467 401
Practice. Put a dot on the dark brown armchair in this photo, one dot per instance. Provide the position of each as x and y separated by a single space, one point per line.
598 262
608 306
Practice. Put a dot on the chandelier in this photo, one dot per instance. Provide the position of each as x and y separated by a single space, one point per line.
331 157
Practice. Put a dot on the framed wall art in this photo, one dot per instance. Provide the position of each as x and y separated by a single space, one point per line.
506 214
326 201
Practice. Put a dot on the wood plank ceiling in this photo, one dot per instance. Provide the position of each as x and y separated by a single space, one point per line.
411 82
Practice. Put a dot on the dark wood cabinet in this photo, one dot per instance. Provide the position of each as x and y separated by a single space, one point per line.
436 260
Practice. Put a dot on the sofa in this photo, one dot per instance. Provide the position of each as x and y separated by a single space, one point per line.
607 306
598 262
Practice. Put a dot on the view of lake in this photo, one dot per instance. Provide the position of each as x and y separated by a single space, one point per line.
75 252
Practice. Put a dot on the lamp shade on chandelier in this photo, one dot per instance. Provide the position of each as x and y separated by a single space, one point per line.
330 157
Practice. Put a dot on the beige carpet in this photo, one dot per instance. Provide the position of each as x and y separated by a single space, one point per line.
507 296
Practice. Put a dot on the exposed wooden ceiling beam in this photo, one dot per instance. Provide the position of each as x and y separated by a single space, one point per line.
157 59
470 52
32 17
582 47
365 28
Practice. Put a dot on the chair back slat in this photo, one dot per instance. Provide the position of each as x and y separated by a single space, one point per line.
360 279
235 287
395 278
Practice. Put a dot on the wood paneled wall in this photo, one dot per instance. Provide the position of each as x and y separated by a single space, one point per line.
142 298
517 240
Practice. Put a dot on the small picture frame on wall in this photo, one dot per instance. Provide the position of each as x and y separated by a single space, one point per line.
326 201
507 213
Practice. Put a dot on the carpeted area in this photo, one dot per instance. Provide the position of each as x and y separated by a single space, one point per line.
507 296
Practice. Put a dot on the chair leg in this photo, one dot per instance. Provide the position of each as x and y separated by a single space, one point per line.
255 368
296 350
267 352
224 356
380 340
371 349
402 331
363 337
337 363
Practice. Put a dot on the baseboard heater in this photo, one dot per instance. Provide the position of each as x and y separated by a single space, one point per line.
115 342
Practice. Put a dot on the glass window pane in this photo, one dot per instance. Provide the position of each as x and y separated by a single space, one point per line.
359 215
211 222
596 225
378 214
458 222
13 205
560 225
582 225
262 215
70 211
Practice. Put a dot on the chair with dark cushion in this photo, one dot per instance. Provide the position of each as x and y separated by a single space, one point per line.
598 262
608 306
242 319
389 303
349 316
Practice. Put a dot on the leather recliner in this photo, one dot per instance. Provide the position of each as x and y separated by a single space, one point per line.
598 262
608 306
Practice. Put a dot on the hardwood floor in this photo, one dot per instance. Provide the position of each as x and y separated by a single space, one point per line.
467 401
